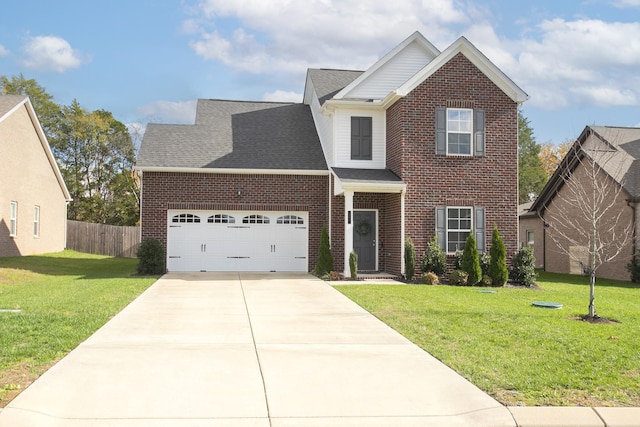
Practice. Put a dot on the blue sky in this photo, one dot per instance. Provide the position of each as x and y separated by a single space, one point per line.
148 61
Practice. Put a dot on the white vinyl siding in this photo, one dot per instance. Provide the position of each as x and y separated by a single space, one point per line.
324 127
342 120
393 73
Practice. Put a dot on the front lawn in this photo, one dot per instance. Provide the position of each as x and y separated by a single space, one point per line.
51 303
518 353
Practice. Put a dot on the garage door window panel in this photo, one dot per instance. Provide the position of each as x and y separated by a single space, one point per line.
221 219
255 219
185 218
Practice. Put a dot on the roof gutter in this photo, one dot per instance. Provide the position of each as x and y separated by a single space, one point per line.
230 171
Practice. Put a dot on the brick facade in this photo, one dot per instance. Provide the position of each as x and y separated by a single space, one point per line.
162 191
434 180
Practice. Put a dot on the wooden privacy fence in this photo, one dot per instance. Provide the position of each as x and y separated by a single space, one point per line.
103 239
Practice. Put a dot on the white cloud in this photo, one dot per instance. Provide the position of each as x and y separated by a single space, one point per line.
169 111
559 63
51 53
282 96
626 3
3 51
291 36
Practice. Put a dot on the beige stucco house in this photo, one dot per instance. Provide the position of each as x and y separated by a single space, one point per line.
33 195
616 179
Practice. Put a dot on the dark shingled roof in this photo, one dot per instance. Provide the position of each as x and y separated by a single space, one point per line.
237 135
329 82
367 175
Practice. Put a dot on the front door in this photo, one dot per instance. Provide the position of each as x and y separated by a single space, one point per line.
364 239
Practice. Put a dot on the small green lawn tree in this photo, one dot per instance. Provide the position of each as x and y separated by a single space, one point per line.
470 263
409 258
498 263
325 258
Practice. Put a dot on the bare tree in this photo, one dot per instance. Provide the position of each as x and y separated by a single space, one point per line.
588 214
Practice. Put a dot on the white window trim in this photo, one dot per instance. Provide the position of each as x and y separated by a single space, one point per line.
470 133
447 229
13 219
36 221
531 242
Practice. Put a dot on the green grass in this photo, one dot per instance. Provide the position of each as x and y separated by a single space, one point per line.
64 298
518 353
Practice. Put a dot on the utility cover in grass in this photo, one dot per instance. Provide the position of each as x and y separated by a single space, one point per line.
546 304
486 291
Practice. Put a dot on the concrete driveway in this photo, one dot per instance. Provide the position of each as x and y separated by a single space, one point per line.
249 349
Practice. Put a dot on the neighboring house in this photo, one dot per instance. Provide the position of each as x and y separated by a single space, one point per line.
422 143
531 232
616 150
33 196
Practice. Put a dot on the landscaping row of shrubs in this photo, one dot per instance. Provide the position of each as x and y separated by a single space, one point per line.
471 268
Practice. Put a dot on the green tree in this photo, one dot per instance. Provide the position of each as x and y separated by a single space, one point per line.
531 175
94 151
325 258
409 259
96 156
470 262
498 263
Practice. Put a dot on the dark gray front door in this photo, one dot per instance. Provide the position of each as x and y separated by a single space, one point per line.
364 239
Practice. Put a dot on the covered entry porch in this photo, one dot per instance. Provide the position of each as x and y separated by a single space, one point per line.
368 214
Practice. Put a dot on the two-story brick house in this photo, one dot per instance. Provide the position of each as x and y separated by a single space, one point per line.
422 143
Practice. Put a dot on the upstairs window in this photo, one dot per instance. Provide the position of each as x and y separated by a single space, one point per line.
361 139
460 131
13 219
459 124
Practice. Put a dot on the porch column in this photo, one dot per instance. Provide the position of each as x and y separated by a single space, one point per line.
348 230
402 266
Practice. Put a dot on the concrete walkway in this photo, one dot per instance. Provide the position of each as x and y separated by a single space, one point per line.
251 349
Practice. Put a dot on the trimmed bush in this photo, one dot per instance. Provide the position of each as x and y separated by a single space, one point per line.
434 259
353 265
430 278
498 263
458 278
150 255
325 258
470 262
634 268
409 259
523 269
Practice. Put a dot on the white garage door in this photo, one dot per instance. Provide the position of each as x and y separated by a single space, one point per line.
237 241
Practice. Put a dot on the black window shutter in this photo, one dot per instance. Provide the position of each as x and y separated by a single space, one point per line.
361 138
479 228
478 132
441 131
441 226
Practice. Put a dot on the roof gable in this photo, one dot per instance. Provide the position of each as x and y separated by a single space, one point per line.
477 58
391 70
615 149
12 103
